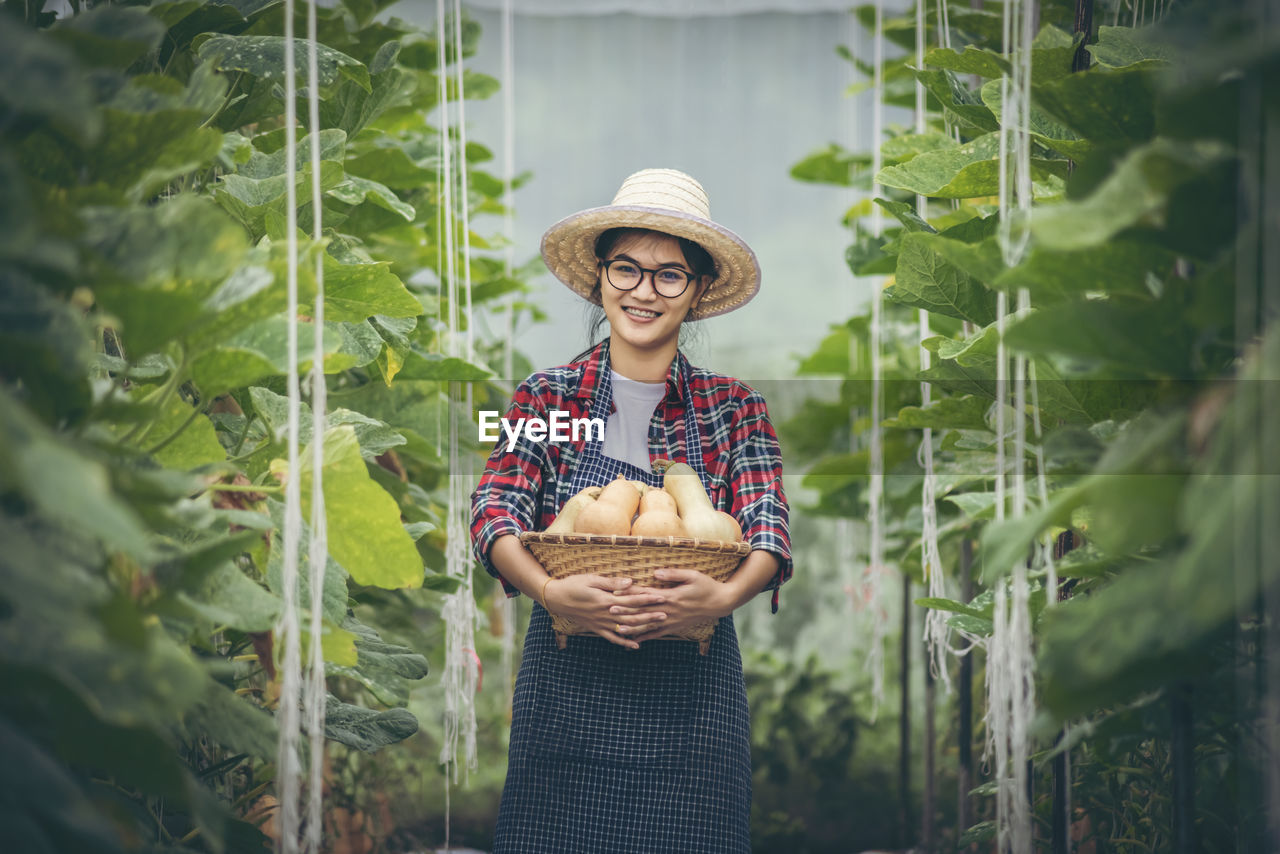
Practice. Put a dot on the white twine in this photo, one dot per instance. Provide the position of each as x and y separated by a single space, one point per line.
302 703
463 185
461 671
874 576
937 634
1010 663
288 768
507 605
318 550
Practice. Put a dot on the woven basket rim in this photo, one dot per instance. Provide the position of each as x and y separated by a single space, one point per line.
689 543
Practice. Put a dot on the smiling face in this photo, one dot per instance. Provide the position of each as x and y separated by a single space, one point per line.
641 320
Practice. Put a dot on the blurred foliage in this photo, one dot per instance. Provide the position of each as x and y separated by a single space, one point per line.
142 359
1154 383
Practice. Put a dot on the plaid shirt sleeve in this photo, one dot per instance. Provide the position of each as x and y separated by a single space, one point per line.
755 481
508 499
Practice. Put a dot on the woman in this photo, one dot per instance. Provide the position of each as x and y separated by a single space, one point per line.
622 742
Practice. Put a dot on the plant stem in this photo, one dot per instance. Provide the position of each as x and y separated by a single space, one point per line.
239 487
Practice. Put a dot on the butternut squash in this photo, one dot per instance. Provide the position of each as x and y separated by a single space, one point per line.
700 519
657 499
612 511
658 523
568 514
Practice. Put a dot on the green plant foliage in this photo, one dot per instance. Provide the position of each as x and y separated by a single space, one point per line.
143 354
1143 398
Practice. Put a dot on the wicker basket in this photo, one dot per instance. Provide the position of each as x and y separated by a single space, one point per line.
635 558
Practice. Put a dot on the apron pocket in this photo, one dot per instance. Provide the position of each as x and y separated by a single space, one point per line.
602 704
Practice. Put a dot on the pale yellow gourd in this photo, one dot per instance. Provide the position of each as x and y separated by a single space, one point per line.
657 499
658 523
612 511
568 514
700 518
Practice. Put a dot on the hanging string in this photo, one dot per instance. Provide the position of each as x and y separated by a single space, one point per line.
1010 676
463 185
318 549
873 578
288 769
506 605
936 631
461 671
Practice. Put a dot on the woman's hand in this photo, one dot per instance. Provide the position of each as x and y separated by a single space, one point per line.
696 598
591 601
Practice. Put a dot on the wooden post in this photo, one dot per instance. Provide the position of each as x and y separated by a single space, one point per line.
964 701
904 717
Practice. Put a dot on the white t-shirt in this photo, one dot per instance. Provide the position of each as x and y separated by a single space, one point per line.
626 433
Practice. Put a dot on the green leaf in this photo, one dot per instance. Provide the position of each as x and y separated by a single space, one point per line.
1118 47
830 165
926 280
1044 129
366 729
975 505
431 366
374 436
901 148
196 445
63 483
974 60
906 214
354 106
973 625
227 597
940 604
109 36
1133 334
355 292
1115 267
391 165
1102 105
253 201
263 57
355 190
948 413
1137 192
333 593
966 171
386 669
40 77
365 534
957 100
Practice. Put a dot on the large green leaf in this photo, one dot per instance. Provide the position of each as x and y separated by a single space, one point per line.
1137 192
901 148
39 77
948 413
356 292
355 190
109 36
364 530
263 57
1137 335
955 99
974 60
374 436
333 591
227 597
366 729
255 202
1118 47
1115 267
64 483
927 280
829 165
1102 105
353 106
386 669
180 437
967 171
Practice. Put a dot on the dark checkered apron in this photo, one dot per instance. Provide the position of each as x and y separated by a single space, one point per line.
615 751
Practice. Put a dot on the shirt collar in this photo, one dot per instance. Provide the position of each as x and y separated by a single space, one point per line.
595 367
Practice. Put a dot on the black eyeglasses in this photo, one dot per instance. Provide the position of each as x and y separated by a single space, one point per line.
625 275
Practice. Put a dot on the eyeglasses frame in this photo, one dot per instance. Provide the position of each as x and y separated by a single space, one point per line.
690 276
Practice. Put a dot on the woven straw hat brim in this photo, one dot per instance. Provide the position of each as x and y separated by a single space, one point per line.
568 248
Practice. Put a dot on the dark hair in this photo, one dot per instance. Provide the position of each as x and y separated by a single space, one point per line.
699 260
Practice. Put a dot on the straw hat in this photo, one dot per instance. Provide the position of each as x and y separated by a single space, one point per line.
661 200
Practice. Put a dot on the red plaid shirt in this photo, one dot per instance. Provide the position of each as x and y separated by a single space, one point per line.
523 489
